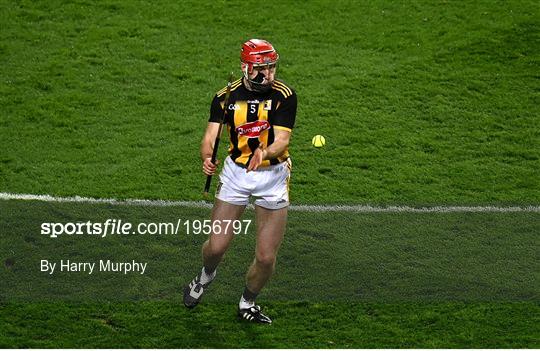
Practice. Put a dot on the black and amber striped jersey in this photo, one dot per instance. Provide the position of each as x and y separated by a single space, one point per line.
252 118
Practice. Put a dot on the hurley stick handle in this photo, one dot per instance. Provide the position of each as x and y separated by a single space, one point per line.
218 137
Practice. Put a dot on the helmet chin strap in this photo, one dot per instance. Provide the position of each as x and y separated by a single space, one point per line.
255 84
259 78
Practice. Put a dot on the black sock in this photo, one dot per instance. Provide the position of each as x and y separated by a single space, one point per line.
207 271
249 295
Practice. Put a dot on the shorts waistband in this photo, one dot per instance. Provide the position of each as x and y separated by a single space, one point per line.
265 168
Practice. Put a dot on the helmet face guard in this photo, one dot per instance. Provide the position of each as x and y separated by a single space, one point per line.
258 55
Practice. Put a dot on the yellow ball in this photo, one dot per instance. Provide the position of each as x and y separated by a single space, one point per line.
318 141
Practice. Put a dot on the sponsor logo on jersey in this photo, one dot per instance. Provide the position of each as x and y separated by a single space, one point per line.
234 107
267 105
253 129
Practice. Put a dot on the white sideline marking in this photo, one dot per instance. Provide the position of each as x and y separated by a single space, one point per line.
300 208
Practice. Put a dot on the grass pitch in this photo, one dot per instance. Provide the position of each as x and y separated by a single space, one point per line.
421 103
343 280
298 325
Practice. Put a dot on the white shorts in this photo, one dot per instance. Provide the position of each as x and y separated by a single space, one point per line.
269 186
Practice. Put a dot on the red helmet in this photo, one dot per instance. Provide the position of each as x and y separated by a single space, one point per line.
254 53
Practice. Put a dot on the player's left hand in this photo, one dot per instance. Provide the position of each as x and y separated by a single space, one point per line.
256 160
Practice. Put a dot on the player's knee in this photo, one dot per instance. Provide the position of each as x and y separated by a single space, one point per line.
215 249
266 260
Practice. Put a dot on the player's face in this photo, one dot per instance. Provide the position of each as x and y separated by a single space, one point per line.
268 72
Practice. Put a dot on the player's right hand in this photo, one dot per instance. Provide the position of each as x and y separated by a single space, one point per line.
208 167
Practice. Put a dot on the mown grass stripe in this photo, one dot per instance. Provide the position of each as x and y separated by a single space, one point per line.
300 208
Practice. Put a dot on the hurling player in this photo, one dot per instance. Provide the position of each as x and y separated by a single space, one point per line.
260 115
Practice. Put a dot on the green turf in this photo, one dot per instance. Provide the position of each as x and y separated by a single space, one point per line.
325 256
296 325
343 280
421 102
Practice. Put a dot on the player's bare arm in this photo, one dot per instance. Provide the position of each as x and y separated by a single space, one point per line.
207 147
277 148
